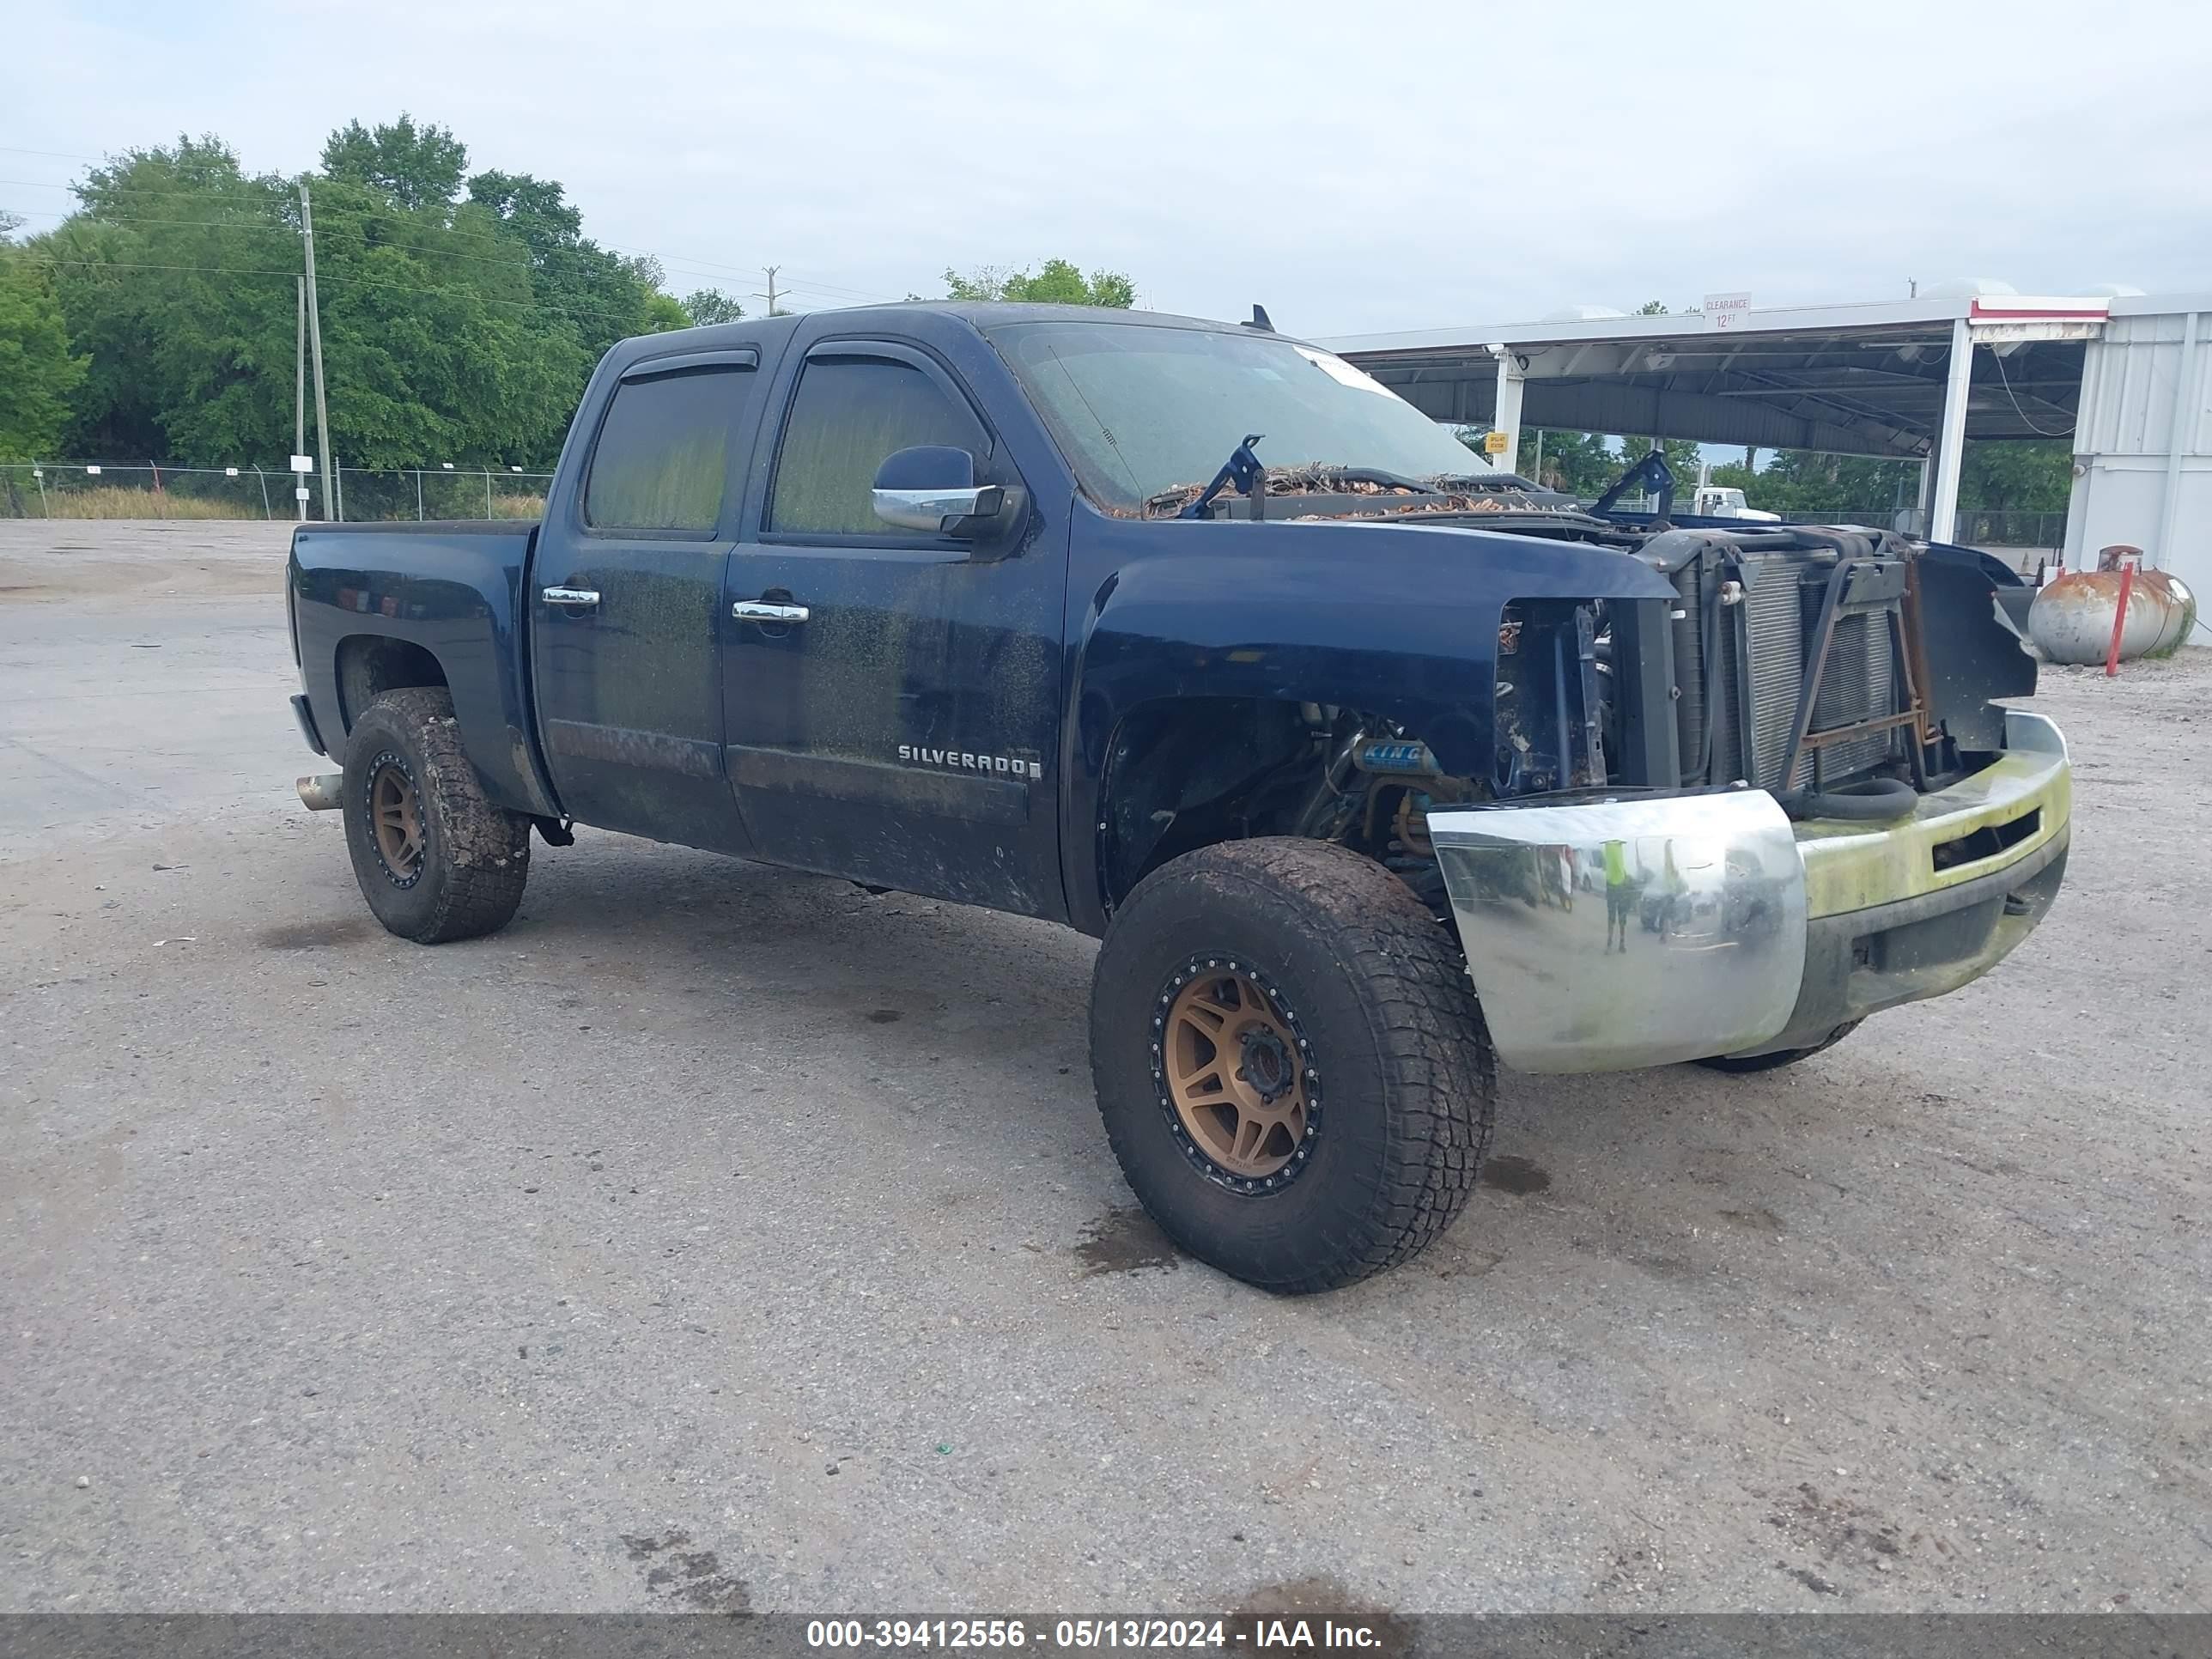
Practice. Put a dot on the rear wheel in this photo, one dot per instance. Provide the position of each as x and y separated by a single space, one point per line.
435 860
1290 1062
1768 1062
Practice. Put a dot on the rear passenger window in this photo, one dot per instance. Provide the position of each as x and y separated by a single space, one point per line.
664 450
850 414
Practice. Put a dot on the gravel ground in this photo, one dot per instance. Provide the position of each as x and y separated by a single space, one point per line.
719 1238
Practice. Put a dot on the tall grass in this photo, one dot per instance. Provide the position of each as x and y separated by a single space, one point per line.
122 501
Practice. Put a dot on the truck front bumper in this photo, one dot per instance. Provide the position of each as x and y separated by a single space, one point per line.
1736 931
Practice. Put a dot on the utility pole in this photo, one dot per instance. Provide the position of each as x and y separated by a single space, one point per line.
770 295
315 339
300 395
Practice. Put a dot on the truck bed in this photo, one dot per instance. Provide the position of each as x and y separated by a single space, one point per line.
361 592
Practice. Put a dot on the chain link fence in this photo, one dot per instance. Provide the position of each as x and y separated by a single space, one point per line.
105 489
1977 526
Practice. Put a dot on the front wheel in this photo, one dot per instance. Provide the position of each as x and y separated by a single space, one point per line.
1743 1064
435 860
1290 1062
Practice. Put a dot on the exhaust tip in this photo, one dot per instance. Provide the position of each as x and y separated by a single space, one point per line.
322 793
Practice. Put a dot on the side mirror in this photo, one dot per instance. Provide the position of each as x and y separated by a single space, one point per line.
931 487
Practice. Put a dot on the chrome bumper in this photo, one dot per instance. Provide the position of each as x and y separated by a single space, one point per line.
1698 943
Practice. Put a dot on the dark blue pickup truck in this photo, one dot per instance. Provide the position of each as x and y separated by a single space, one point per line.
1370 766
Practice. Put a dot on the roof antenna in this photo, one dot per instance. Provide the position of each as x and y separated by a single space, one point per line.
1260 320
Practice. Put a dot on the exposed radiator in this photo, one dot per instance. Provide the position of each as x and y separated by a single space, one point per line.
1763 640
1860 678
1774 626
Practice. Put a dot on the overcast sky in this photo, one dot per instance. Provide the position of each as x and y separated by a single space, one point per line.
1355 169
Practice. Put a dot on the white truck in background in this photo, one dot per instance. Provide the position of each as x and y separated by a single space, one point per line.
1716 501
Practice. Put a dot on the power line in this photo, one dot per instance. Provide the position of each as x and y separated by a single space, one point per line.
56 154
522 264
271 193
671 264
552 306
271 196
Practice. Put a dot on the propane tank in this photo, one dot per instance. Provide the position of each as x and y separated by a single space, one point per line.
2072 619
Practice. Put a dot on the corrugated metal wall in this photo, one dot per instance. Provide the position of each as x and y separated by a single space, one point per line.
2127 389
2123 439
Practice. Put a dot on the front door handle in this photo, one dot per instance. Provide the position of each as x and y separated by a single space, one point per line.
574 598
768 610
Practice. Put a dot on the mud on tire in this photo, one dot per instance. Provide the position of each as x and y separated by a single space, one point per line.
1305 949
435 860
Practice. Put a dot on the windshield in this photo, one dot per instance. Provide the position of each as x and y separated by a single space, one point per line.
1141 410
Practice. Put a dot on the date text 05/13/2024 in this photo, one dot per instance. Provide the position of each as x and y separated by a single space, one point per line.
1071 1635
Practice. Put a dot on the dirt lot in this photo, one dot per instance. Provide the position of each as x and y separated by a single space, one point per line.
719 1237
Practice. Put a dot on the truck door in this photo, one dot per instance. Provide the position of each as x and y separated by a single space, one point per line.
625 598
892 700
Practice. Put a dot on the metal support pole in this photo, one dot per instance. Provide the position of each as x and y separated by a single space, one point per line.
2180 435
1507 416
418 495
331 502
264 478
300 395
1951 445
487 492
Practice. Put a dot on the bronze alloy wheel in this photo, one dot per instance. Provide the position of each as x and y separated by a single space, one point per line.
1237 1074
395 814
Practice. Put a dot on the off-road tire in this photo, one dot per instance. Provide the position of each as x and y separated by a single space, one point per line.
474 858
1744 1063
1378 997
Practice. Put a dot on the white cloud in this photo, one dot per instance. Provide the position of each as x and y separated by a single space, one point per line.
1354 168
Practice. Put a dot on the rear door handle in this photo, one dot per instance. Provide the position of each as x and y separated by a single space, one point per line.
574 598
768 610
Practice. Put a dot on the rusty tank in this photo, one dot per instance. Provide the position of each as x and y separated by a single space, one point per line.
2072 619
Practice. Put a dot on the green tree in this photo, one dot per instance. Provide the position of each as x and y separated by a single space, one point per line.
418 167
602 296
177 275
1056 283
711 305
440 341
2035 476
1576 462
38 370
1800 482
664 311
174 276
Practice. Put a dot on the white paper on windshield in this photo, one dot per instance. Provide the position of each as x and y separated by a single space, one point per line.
1337 369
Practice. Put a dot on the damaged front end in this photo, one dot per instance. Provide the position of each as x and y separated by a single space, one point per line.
1739 822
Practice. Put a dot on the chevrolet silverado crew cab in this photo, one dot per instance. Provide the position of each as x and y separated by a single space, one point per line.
1370 767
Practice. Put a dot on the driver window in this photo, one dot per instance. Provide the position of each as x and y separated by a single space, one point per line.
849 415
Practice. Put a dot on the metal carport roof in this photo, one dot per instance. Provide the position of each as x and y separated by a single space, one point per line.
1868 380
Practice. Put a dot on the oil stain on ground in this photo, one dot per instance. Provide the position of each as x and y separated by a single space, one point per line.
690 1578
313 935
1124 1241
884 1016
1517 1176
